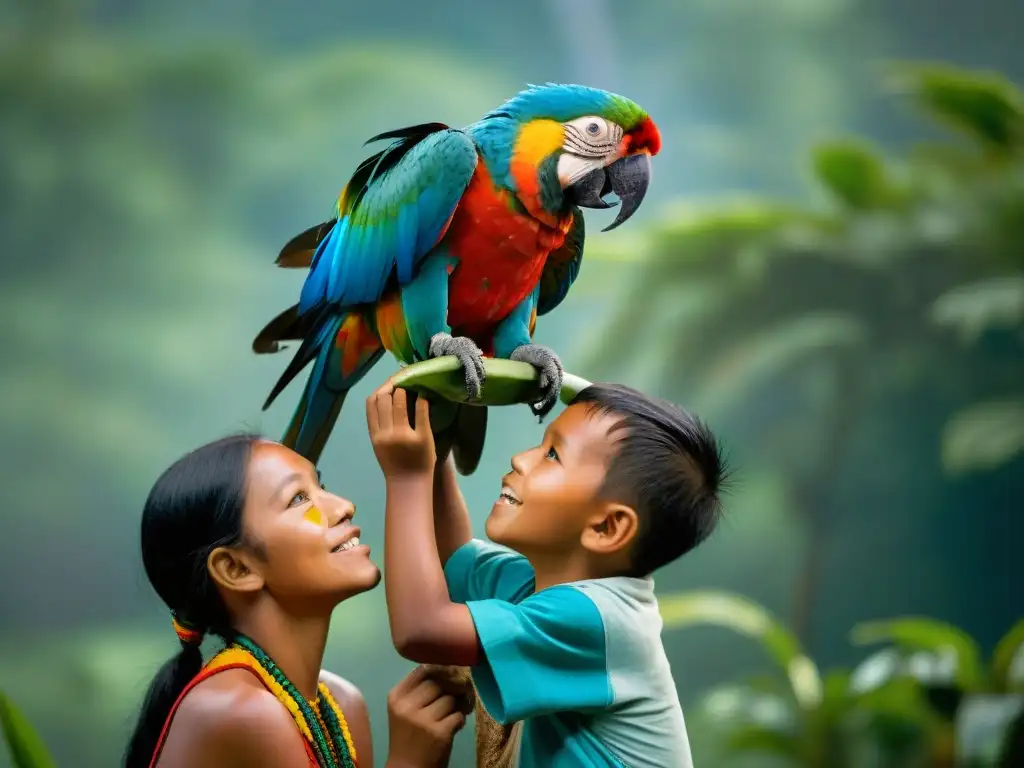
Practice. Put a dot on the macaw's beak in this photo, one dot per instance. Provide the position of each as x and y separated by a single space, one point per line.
627 177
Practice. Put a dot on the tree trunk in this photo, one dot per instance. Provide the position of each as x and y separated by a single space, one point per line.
813 497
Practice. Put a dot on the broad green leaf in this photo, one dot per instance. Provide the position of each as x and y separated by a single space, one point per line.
686 609
976 307
921 634
900 698
508 382
853 173
1008 660
983 436
27 749
985 106
876 670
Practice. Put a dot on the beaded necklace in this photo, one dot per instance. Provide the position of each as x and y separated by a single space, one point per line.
323 727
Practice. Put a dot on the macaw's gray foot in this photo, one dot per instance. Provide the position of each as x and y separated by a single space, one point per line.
550 368
469 355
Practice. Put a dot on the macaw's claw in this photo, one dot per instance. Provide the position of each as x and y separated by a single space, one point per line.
550 369
469 355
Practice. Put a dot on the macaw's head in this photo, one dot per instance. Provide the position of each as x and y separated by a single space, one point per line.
591 141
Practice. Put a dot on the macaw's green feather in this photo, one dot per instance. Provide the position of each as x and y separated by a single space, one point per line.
395 208
562 266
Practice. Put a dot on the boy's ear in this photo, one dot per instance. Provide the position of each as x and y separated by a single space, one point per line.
233 570
612 530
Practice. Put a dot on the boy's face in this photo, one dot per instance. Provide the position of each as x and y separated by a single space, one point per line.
553 489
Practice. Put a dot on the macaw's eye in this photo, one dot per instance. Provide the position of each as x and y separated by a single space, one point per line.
593 129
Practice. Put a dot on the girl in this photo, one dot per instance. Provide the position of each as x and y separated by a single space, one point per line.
241 540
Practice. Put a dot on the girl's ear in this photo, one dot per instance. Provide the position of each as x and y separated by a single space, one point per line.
234 570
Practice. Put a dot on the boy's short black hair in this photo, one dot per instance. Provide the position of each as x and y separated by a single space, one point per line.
668 467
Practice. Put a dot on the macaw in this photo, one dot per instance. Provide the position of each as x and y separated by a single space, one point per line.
452 242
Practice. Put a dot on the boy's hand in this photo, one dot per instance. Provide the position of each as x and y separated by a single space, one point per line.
400 448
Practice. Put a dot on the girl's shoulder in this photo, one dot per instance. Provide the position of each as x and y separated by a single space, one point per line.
231 714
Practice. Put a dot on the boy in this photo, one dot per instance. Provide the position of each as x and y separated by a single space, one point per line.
560 624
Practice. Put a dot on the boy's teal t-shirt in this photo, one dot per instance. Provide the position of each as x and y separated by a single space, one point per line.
581 664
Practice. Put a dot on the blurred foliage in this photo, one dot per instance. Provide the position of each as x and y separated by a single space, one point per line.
910 281
888 711
151 161
27 749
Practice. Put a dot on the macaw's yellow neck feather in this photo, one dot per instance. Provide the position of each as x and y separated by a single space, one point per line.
537 140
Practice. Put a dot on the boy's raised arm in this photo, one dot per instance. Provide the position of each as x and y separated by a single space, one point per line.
426 626
452 526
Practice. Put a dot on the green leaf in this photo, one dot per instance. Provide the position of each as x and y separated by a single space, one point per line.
986 107
853 173
686 609
976 307
899 698
1008 659
921 634
983 436
27 749
508 382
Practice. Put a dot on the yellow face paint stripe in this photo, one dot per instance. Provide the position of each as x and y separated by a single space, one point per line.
314 515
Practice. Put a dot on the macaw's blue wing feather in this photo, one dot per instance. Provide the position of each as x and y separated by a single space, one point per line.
394 209
562 266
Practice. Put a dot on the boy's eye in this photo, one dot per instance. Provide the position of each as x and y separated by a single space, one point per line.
299 498
551 454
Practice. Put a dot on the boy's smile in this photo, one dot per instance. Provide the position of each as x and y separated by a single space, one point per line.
554 488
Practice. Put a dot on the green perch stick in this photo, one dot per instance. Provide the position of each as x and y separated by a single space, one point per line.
454 419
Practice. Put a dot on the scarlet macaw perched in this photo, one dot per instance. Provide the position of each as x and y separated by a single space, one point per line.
451 242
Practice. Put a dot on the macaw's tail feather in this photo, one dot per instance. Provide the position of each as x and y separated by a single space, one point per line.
287 326
468 443
345 348
313 422
325 327
298 252
316 439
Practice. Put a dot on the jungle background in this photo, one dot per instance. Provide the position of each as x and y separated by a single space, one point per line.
829 267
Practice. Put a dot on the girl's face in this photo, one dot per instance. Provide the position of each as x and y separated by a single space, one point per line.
310 556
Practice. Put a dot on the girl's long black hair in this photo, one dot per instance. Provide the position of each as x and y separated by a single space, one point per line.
195 506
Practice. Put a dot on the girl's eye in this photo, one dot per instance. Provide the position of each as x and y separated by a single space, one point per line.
551 454
299 498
